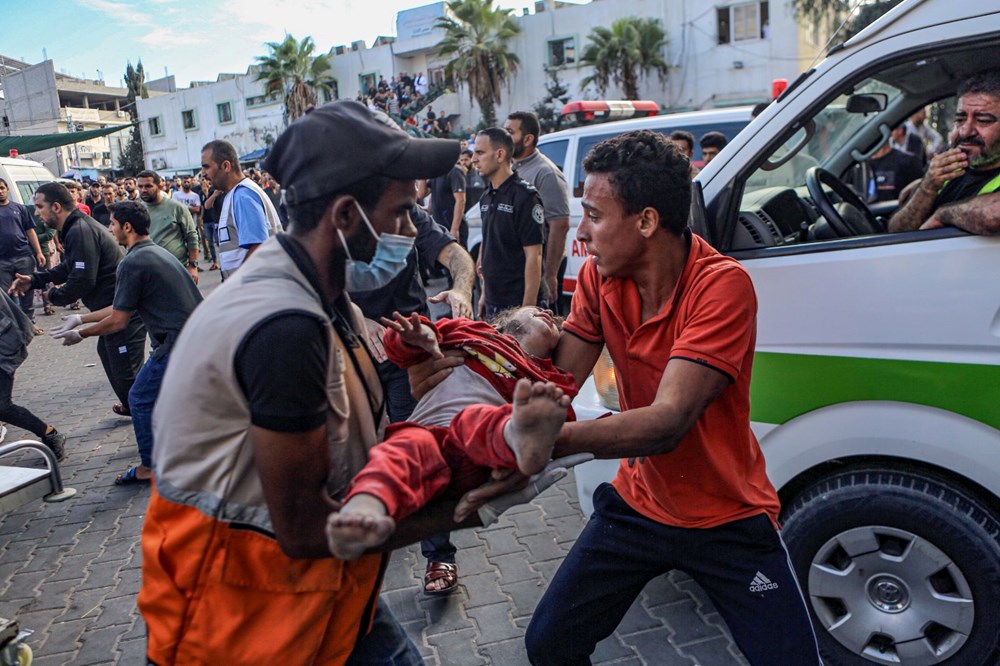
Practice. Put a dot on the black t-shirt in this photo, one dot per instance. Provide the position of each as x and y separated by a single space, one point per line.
281 364
474 188
15 221
405 293
443 189
152 282
894 171
281 367
211 215
966 187
512 220
100 212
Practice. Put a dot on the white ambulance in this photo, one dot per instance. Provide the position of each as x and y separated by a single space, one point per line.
876 380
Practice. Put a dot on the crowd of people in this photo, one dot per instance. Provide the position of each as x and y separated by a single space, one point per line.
338 422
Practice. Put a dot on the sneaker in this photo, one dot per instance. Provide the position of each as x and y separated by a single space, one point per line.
56 441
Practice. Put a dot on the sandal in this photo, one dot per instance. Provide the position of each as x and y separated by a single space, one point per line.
444 571
49 310
38 330
75 305
121 410
129 477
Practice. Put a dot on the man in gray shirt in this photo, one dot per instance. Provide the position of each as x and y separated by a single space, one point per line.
537 169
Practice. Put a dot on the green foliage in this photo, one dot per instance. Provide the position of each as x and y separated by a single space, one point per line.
131 158
632 48
834 12
291 70
476 42
546 109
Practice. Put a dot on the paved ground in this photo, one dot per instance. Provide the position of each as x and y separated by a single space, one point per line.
71 571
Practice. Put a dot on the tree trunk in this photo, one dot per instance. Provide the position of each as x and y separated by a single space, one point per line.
630 85
488 110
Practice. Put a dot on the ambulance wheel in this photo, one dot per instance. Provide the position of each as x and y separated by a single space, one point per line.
898 568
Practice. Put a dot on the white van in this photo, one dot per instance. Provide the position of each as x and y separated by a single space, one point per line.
876 380
567 149
23 178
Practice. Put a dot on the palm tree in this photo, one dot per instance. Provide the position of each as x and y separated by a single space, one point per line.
292 70
476 40
855 16
632 48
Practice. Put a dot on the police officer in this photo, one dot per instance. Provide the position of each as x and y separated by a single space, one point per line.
510 261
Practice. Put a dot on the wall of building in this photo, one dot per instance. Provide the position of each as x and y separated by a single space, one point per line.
176 149
704 72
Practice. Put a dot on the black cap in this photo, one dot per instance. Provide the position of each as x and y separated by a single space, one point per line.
342 143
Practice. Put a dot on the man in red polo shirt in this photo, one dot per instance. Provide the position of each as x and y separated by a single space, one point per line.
692 492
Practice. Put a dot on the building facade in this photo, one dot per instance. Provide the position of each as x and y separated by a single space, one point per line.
176 125
39 100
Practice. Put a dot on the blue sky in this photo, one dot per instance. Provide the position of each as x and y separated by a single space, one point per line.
193 40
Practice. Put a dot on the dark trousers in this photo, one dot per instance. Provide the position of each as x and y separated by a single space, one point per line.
742 566
25 265
122 355
15 414
400 403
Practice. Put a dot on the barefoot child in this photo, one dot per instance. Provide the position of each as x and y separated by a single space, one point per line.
417 462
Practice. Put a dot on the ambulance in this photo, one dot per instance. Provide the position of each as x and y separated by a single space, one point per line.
876 379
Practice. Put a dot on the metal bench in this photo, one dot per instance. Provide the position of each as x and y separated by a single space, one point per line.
20 485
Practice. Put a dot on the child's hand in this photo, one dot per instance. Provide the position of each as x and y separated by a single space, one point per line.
415 333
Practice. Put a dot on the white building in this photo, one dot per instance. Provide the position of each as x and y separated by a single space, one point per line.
720 54
176 125
39 100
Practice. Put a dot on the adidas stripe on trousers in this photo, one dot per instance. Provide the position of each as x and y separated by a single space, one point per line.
742 566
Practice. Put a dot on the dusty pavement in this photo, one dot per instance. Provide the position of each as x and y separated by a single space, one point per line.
70 571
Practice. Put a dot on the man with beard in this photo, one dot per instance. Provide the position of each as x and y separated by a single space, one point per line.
90 257
131 189
962 185
98 207
248 465
247 217
537 169
172 226
151 282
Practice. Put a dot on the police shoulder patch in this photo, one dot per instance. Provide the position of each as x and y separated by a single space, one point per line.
538 213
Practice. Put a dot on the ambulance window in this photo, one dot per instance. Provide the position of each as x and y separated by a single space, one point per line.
583 147
555 151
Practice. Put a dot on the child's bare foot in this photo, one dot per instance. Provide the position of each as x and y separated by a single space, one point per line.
539 412
360 525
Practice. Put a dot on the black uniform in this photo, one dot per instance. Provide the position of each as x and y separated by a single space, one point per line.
87 272
512 217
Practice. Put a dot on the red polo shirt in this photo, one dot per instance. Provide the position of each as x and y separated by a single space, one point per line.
716 474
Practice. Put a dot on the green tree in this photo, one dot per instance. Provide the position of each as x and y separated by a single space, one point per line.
833 13
476 41
546 109
632 48
293 71
131 159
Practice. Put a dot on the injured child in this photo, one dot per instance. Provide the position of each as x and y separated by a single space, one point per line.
506 367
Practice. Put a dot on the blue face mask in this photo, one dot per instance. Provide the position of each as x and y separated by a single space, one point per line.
391 251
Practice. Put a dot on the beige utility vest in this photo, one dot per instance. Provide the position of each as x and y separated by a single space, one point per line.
231 255
203 455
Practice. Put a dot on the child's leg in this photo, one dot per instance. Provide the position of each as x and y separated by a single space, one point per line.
403 473
520 435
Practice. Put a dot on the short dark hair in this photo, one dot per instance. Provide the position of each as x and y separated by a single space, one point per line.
683 135
305 216
56 193
529 123
759 109
467 151
499 138
713 140
133 213
149 174
223 151
4 183
646 169
506 322
987 82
